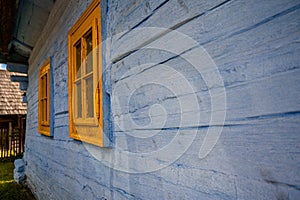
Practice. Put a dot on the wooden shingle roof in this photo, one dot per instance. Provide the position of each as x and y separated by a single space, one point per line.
10 95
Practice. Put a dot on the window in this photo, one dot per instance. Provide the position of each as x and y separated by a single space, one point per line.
85 85
44 99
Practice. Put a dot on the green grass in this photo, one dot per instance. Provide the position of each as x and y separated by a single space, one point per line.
8 189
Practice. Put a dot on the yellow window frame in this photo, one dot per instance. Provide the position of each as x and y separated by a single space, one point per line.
87 129
44 99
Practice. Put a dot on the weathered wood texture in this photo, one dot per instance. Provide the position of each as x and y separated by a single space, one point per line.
12 135
254 46
10 94
16 67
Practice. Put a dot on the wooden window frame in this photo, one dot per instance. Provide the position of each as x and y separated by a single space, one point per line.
86 129
44 99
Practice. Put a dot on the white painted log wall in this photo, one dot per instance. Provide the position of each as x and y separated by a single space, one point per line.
255 46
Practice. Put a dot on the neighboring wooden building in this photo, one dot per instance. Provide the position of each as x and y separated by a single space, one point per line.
12 116
159 99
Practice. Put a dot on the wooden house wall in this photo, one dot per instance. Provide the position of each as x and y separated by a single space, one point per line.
255 47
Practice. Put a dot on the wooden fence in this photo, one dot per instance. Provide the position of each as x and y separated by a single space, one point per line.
12 139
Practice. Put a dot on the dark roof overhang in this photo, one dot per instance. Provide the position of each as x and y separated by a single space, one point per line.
21 24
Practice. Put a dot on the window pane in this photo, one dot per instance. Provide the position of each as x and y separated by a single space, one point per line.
46 110
89 53
90 97
78 101
45 85
42 98
78 60
42 87
42 110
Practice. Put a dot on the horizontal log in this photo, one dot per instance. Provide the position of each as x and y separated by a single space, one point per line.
23 85
24 99
14 78
17 67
